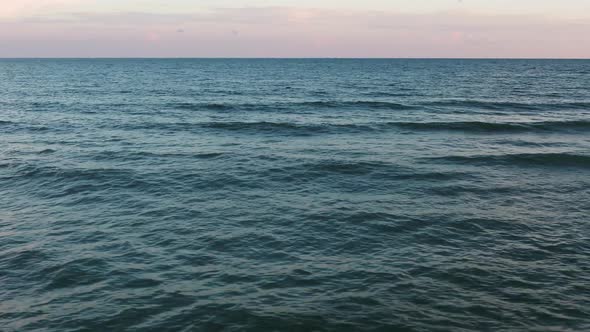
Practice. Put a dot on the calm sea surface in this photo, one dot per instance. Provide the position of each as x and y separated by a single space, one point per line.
294 195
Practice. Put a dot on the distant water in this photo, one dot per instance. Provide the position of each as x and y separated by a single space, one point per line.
294 195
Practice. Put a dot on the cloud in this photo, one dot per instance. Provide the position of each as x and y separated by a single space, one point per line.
296 32
283 16
14 9
266 15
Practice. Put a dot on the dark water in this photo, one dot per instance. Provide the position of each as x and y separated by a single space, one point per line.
294 195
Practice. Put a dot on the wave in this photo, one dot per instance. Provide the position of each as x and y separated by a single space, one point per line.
260 127
78 272
382 105
297 171
80 184
9 126
391 94
348 167
46 151
29 171
292 128
478 126
497 105
207 106
362 104
277 127
525 159
143 155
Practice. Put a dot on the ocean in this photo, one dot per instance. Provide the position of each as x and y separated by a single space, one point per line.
294 195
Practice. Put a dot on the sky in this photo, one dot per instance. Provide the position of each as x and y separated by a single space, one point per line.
296 28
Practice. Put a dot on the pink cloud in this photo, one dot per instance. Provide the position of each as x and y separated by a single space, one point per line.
19 8
290 32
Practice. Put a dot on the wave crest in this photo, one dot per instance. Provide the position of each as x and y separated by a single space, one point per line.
478 126
499 105
321 104
525 159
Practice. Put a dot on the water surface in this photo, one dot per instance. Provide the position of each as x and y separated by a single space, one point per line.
294 195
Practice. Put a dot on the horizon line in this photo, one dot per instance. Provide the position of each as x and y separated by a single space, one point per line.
288 58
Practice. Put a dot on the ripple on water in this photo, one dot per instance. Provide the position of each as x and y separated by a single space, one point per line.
293 195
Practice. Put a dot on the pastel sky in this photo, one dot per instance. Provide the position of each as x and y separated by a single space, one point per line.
295 28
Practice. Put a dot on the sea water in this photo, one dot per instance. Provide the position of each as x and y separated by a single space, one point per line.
294 195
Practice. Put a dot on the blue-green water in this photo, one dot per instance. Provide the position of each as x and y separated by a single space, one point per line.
294 195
